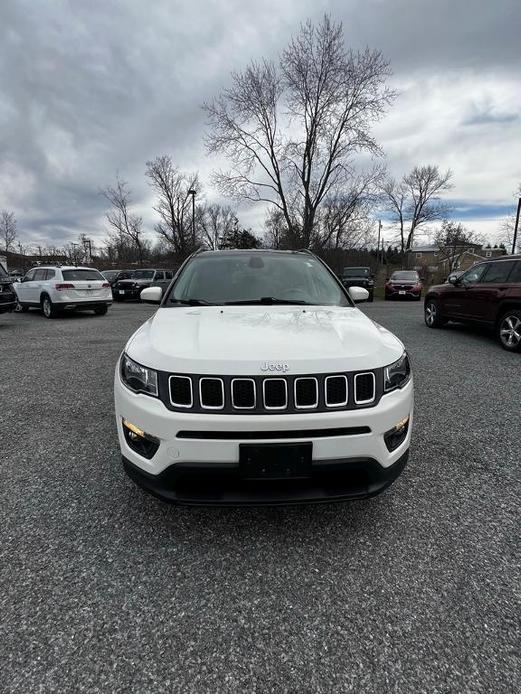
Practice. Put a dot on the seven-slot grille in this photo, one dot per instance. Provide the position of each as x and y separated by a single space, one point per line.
272 394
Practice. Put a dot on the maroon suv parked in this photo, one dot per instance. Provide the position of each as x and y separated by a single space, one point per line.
488 294
404 284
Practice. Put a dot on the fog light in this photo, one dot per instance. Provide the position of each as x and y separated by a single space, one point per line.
139 441
397 435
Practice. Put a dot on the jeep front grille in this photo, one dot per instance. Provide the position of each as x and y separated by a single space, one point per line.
211 393
364 388
271 394
275 393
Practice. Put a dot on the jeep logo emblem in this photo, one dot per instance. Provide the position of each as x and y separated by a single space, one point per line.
275 366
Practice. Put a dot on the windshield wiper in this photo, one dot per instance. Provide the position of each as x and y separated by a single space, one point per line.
268 301
192 302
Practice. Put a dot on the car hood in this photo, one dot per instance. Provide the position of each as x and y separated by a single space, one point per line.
242 339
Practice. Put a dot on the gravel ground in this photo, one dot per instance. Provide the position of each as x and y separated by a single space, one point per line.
104 588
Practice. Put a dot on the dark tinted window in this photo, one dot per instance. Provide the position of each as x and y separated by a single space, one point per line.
497 273
168 275
40 275
356 271
49 274
407 276
160 276
109 274
515 277
3 273
29 276
80 274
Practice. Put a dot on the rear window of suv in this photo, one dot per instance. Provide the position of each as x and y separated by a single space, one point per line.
82 275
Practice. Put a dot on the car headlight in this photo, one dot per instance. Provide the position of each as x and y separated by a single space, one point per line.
138 378
396 375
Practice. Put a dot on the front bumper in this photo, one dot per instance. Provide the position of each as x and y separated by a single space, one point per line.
7 306
403 293
349 465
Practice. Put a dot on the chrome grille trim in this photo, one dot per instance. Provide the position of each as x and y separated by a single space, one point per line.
305 407
271 408
250 380
357 376
186 378
211 407
336 404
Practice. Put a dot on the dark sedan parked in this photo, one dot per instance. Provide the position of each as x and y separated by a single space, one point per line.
8 299
404 284
130 289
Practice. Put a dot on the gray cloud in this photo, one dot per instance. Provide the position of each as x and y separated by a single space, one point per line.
89 89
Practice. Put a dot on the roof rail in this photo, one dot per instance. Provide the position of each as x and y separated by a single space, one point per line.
306 250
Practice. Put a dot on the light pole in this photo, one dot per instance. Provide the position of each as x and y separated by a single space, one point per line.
516 227
192 192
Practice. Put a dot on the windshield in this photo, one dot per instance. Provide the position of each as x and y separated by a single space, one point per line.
82 275
143 275
250 278
408 276
109 274
3 273
356 271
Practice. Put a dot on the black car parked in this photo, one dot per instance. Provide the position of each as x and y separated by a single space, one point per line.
8 298
131 288
359 277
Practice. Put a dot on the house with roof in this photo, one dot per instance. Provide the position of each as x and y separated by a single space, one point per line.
446 259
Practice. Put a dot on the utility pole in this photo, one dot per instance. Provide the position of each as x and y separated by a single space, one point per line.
378 244
192 192
514 242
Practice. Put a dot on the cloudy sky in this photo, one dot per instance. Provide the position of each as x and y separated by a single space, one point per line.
88 89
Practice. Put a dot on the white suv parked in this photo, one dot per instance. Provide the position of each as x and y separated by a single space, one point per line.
259 381
59 288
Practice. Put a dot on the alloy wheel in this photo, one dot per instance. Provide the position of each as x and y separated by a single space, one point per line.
430 314
46 308
510 331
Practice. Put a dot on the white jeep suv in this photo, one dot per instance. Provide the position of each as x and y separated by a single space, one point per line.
259 381
59 288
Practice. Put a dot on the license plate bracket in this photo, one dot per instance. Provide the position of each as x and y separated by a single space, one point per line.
401 291
275 461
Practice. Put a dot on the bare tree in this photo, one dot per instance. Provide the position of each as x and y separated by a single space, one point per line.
291 130
122 221
452 241
216 223
7 229
173 203
415 200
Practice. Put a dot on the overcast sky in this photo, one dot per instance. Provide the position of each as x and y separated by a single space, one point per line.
88 89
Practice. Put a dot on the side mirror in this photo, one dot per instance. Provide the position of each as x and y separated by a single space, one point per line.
152 295
358 294
453 279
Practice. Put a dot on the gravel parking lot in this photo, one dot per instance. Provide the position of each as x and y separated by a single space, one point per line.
104 588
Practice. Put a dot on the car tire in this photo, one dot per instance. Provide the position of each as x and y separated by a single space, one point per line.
101 310
432 315
49 310
509 330
371 298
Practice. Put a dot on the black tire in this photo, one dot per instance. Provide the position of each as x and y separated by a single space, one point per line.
432 314
508 330
49 310
371 298
101 310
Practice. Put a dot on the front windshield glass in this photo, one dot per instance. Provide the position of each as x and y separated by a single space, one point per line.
143 275
2 272
251 278
356 271
109 274
409 276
